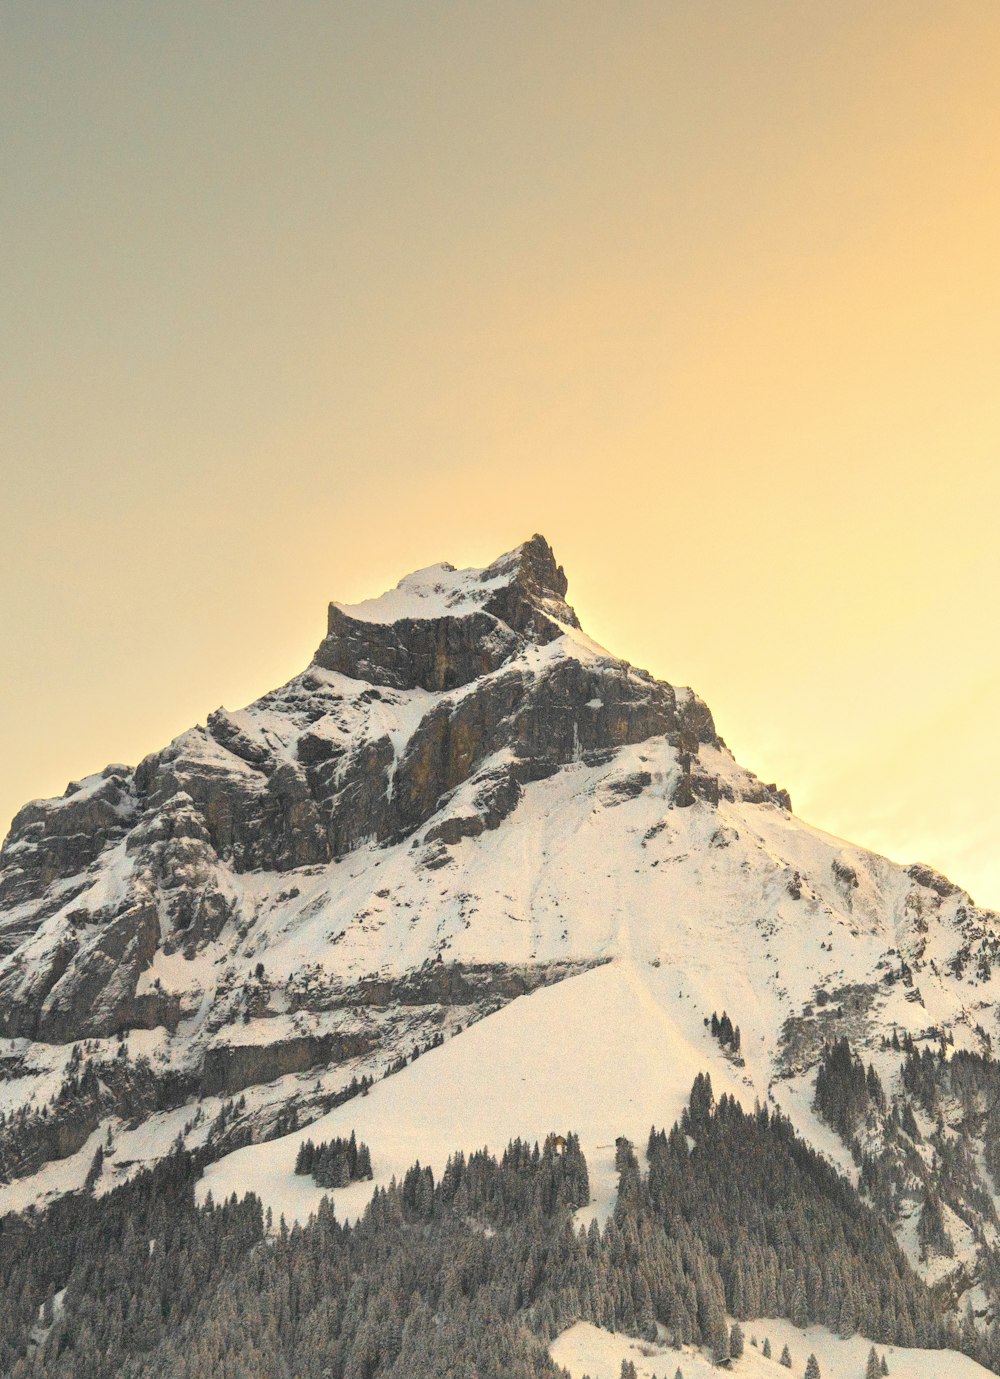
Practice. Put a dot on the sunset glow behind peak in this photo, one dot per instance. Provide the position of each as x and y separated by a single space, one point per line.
300 298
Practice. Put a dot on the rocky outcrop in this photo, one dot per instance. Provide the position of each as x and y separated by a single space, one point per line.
229 1068
86 984
933 880
565 715
90 1091
522 601
485 986
431 654
51 840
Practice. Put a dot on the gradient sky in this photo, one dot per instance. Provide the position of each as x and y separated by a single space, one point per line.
298 297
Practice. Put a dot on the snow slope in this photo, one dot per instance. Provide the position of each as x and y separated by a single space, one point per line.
598 1054
584 1349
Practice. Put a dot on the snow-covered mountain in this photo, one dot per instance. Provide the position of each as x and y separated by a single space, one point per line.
464 812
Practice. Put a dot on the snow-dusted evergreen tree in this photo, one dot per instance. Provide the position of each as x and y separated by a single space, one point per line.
812 1368
95 1170
786 1358
931 1231
847 1323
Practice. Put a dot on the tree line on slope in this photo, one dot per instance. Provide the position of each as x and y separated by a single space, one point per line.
473 1273
933 1149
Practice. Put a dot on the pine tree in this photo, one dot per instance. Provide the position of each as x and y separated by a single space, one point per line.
766 1351
736 1341
812 1368
786 1358
628 1370
715 1332
873 1369
847 1323
885 1366
969 1334
95 1170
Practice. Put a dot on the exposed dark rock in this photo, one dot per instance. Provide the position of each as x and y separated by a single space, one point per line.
53 839
229 1068
354 797
95 1090
95 996
682 792
695 722
705 786
435 856
933 880
497 796
228 733
845 874
292 832
628 787
453 830
431 654
843 1013
484 985
756 792
315 750
525 604
199 917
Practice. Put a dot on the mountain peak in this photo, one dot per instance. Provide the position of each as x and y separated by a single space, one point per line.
441 627
534 566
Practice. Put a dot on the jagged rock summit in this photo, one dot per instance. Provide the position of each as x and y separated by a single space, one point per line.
441 627
462 799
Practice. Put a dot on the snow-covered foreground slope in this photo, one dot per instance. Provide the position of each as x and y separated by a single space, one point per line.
588 1350
604 1054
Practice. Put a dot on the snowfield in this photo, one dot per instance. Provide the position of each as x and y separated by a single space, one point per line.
605 1053
588 1350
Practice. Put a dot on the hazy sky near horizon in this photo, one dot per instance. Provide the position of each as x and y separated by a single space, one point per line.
297 298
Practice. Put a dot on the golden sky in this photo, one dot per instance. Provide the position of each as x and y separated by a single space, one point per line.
299 297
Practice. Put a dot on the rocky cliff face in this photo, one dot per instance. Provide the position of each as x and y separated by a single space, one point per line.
446 633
